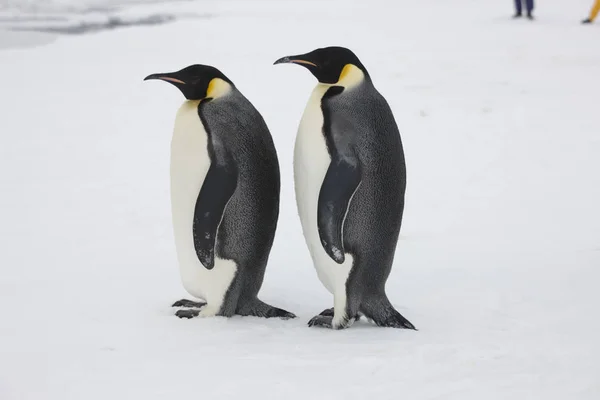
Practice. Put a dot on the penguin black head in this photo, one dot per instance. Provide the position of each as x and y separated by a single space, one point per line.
329 64
196 82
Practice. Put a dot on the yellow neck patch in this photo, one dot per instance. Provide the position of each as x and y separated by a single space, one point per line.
217 87
350 76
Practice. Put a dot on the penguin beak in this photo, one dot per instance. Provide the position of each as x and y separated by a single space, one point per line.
168 77
295 60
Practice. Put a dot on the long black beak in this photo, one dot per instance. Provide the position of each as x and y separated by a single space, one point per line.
283 60
165 77
295 60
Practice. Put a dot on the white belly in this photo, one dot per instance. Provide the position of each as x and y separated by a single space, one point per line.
311 161
189 166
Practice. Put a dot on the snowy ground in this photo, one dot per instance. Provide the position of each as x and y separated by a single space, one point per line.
499 260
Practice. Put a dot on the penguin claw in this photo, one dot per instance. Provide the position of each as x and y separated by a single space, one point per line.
187 313
188 303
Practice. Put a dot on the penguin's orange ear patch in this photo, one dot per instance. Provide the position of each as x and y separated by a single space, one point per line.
347 70
350 76
217 87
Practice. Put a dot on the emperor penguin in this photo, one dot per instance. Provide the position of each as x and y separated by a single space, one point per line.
350 181
225 188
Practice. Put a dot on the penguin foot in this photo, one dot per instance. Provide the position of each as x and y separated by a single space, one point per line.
187 313
324 321
188 303
328 312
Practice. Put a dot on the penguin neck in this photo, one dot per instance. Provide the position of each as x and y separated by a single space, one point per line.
217 88
350 77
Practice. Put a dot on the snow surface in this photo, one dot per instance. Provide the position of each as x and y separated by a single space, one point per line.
500 250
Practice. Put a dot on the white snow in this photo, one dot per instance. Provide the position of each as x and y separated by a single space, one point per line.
498 265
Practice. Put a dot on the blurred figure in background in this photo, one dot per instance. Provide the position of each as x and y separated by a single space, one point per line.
593 13
519 8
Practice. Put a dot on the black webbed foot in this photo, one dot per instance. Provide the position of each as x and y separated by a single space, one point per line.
329 312
188 303
327 322
323 321
189 313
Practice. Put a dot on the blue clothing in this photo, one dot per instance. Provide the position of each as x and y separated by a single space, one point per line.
528 4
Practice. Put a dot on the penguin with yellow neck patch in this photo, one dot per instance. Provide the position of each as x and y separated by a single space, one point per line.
224 196
350 180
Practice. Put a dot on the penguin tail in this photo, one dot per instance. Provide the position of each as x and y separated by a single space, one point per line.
258 308
382 313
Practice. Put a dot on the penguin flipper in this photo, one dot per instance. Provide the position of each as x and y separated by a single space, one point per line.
217 189
341 182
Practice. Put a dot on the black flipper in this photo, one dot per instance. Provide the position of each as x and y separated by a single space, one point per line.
341 181
342 178
219 185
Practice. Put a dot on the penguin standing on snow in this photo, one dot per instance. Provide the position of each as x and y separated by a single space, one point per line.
350 179
224 195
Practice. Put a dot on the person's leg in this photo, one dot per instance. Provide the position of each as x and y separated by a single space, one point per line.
518 8
529 5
